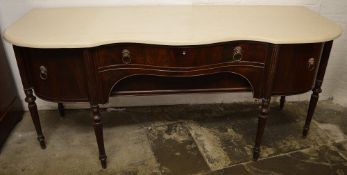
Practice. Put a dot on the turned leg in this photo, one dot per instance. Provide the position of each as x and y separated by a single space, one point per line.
99 134
282 101
261 126
30 99
61 109
312 106
317 87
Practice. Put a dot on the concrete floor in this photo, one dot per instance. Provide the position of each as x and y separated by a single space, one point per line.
183 139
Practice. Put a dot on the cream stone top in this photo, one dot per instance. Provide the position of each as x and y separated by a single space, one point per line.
80 27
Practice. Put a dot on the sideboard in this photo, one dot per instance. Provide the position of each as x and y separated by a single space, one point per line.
87 54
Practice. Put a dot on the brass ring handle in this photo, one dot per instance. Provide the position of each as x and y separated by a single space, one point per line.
43 73
311 64
126 56
237 55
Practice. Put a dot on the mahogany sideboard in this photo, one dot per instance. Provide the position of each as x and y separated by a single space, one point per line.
87 54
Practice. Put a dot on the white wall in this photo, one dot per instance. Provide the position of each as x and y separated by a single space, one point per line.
335 85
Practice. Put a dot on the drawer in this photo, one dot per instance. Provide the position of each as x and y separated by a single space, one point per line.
181 56
297 68
57 74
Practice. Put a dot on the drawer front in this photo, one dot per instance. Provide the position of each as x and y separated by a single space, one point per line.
297 68
57 74
181 56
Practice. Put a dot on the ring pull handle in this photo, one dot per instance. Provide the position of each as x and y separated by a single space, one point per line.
126 58
311 64
43 73
237 54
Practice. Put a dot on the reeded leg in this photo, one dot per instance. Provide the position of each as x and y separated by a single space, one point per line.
61 109
317 87
99 135
312 106
30 99
261 126
282 101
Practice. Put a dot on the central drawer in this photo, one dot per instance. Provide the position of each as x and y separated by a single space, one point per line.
181 56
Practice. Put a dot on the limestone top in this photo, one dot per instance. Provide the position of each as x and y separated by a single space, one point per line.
79 27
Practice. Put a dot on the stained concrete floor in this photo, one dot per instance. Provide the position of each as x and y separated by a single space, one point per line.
183 139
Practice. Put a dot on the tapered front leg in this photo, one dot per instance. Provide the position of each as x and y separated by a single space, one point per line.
30 99
264 111
318 86
61 109
99 135
312 106
282 101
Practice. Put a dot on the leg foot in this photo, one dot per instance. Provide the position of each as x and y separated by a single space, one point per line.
99 135
61 109
256 153
261 127
312 107
305 132
42 142
30 99
282 101
103 162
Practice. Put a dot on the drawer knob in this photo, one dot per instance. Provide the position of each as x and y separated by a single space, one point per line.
43 73
184 53
126 56
311 64
237 54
